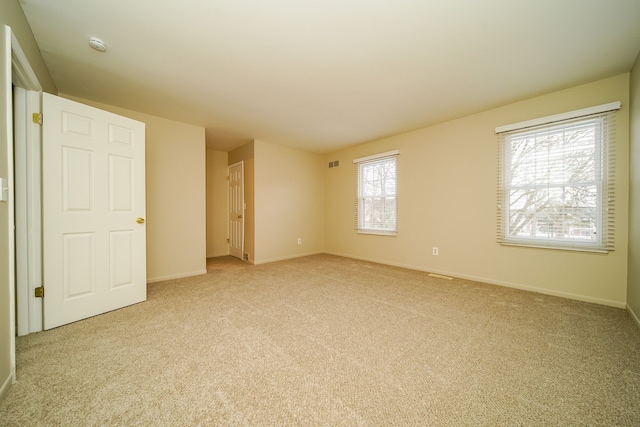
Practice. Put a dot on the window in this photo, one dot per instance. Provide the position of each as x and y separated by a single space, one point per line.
555 186
376 205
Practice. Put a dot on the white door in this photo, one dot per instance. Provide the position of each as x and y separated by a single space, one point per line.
236 209
93 211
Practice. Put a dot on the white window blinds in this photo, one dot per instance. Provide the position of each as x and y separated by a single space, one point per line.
556 181
376 205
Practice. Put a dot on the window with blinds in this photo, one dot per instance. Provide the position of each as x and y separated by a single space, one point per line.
556 181
377 205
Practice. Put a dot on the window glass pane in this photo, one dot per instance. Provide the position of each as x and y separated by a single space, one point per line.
379 213
552 182
554 213
377 195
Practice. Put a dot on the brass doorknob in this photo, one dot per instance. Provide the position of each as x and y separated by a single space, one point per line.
140 220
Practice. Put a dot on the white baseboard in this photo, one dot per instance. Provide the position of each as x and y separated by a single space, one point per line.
176 276
6 386
634 316
578 297
266 261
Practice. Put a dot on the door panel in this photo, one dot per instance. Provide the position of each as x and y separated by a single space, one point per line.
78 265
121 245
120 184
93 192
77 180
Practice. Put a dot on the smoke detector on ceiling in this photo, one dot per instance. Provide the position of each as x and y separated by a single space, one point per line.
97 44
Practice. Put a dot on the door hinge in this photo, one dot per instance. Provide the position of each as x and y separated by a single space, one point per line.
39 292
37 118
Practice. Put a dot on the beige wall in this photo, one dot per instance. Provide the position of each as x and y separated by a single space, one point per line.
289 197
447 177
217 203
176 195
633 280
11 15
245 153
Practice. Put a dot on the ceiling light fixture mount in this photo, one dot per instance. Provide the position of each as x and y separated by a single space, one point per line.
97 44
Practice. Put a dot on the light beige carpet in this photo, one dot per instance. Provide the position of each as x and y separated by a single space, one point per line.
330 341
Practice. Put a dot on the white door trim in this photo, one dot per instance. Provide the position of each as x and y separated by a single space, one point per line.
21 68
17 66
6 48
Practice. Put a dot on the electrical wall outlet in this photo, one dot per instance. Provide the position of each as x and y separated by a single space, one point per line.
299 240
435 250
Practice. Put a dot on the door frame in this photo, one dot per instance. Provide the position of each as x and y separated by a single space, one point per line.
18 68
27 194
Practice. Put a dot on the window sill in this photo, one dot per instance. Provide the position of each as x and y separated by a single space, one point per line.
378 232
557 248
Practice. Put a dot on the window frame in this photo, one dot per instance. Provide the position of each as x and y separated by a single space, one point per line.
360 219
603 117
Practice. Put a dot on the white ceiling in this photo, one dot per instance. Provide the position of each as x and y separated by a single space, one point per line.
321 75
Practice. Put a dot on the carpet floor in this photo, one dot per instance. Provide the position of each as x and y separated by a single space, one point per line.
331 341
